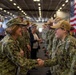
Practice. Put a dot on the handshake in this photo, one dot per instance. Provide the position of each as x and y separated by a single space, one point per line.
40 62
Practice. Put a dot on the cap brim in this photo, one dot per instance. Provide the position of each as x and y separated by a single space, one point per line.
22 24
57 25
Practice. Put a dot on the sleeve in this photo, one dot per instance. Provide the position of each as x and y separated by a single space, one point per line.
50 62
71 56
73 66
14 55
27 38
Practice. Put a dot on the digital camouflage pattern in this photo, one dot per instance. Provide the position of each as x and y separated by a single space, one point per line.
24 40
55 42
73 66
50 35
63 56
15 21
10 59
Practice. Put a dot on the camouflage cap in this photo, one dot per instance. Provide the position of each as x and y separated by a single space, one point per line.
25 23
56 20
14 21
62 24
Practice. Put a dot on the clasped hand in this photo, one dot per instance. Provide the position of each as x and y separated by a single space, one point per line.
40 62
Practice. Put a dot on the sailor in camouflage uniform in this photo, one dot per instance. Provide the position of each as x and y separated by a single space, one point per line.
12 58
65 49
24 40
73 66
53 41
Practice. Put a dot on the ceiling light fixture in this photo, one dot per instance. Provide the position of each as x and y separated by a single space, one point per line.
4 10
60 7
1 8
11 0
35 0
39 7
22 11
14 4
38 4
8 12
18 7
63 5
66 1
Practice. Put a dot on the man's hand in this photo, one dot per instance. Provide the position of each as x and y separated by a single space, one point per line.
29 48
21 53
40 62
39 40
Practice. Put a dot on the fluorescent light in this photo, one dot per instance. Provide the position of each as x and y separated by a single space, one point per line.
39 12
25 14
22 11
11 0
63 5
14 4
8 12
35 0
38 4
60 7
38 0
66 1
4 10
1 9
39 7
18 7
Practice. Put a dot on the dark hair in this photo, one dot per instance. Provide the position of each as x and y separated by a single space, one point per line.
11 30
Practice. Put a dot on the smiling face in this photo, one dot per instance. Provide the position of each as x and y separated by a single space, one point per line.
18 31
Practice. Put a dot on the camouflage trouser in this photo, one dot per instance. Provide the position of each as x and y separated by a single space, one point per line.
55 70
8 73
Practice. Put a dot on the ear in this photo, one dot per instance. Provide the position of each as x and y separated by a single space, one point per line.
65 31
